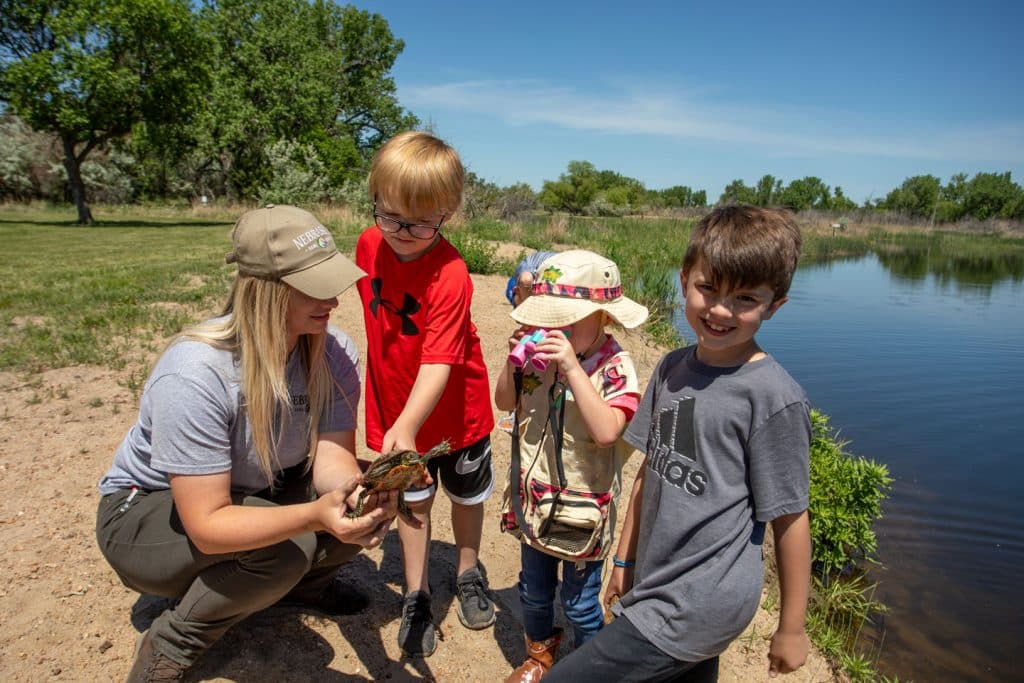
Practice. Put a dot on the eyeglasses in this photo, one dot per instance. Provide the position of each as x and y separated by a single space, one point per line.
392 226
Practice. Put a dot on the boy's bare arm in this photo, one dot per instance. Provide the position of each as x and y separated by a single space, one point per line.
789 645
621 580
426 392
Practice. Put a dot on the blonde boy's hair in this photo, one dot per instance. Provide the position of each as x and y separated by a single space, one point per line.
253 327
746 246
415 172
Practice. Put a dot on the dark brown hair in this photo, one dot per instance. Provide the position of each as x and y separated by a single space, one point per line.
746 246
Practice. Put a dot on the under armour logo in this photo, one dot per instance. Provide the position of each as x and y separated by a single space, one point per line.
409 306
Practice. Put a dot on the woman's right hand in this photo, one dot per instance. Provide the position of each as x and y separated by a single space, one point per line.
369 529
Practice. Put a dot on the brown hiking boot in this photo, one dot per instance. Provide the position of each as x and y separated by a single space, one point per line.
152 667
540 656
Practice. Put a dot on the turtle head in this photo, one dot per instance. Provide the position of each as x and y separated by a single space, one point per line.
442 448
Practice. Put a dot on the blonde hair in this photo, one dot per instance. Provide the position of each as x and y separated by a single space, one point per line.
253 327
415 172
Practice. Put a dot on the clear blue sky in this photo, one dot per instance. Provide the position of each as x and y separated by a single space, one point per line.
862 94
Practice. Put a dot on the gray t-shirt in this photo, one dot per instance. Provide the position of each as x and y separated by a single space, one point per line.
727 450
191 419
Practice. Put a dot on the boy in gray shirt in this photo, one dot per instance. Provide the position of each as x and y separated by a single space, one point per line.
726 433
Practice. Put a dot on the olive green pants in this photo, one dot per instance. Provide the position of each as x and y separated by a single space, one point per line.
145 543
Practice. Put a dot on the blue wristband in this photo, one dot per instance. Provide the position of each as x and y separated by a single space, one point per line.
622 563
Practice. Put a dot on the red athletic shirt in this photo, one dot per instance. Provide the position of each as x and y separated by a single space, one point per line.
415 313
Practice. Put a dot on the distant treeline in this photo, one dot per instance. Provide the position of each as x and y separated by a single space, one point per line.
120 101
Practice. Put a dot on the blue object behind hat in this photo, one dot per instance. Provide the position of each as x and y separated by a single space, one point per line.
530 263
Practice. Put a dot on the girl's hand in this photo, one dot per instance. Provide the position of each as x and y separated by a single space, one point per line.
367 530
518 334
556 348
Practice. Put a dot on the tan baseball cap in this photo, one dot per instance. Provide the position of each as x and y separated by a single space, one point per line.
289 244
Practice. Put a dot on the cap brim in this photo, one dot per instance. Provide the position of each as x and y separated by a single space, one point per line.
326 279
552 311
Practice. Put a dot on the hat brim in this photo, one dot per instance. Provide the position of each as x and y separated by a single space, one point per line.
326 279
542 310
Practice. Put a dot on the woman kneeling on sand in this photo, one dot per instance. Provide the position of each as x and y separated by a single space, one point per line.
231 490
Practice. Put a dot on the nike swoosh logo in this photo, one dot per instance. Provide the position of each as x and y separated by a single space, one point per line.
465 465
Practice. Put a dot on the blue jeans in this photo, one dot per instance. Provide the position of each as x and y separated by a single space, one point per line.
581 595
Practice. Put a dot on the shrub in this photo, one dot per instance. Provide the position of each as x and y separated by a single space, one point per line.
297 175
478 254
845 500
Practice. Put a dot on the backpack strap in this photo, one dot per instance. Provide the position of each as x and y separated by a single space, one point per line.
556 421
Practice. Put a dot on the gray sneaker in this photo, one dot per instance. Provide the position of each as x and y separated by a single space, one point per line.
476 609
416 634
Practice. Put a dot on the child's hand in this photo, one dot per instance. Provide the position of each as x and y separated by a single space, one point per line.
787 653
397 439
619 583
519 333
555 347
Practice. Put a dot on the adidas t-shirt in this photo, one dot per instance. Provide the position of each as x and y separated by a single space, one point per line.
727 450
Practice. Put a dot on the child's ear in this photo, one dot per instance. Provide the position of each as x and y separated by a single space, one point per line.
682 280
775 305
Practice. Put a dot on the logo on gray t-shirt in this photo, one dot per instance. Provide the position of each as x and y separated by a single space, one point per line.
674 451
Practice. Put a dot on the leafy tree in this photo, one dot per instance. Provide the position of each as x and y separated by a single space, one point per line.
292 69
573 191
917 196
516 200
737 192
840 202
806 193
768 190
988 195
678 196
88 70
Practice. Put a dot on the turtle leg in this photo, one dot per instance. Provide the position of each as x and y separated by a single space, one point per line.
358 511
404 510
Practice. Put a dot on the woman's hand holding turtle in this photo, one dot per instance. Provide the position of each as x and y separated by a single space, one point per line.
369 529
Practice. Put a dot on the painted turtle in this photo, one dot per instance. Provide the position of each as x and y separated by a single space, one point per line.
396 471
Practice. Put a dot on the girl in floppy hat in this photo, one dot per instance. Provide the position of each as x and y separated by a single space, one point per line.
567 461
230 491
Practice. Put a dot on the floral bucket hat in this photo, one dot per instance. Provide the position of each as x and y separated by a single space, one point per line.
571 285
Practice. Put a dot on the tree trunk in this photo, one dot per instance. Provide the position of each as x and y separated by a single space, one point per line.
75 180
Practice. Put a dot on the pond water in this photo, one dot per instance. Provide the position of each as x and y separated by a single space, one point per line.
918 359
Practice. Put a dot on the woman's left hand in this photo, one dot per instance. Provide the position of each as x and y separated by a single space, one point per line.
366 530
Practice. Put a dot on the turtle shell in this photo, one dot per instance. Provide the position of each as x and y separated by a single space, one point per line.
400 469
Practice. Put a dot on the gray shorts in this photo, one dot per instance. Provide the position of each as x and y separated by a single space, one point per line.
467 475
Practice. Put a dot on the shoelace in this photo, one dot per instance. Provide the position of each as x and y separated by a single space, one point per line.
473 589
418 610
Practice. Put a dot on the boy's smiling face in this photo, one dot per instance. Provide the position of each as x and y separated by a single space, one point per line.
726 318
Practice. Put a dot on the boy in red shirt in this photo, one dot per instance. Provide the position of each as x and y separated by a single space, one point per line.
426 380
